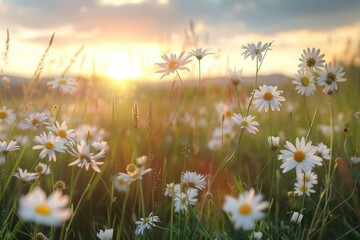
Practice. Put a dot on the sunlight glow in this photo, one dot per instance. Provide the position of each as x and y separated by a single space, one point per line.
123 68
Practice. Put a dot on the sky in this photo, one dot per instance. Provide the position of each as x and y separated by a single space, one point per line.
124 39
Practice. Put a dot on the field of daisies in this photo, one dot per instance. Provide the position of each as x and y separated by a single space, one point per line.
187 161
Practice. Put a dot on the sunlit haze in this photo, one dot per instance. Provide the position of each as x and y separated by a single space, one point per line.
123 39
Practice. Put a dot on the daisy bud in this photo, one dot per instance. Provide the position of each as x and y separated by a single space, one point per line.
209 196
130 168
60 185
141 160
41 236
346 130
290 194
296 217
273 142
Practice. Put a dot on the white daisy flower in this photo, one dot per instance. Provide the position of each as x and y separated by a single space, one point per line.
193 180
43 169
246 122
172 189
329 77
183 200
67 84
146 223
323 151
296 217
274 142
61 130
246 209
51 211
355 160
49 145
311 60
90 133
141 161
100 146
301 188
255 50
5 147
199 53
24 175
257 235
134 174
121 183
309 179
304 81
34 121
214 143
7 115
106 234
235 76
302 156
173 63
267 97
85 158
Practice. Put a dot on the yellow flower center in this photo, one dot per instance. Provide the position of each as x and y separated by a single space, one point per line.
183 200
43 209
172 65
268 96
306 179
330 78
49 145
146 220
228 113
299 156
310 62
35 122
135 174
131 168
305 81
62 82
245 209
303 188
62 133
3 115
121 181
244 123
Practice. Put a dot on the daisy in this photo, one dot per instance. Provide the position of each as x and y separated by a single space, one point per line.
214 143
304 81
141 161
34 121
5 147
134 174
183 200
85 158
49 145
7 115
301 156
246 122
311 60
61 130
107 234
100 146
329 77
43 169
255 50
90 133
354 159
193 179
309 179
323 151
51 211
257 235
273 142
172 189
301 188
199 53
246 209
67 84
235 76
173 63
267 97
296 217
121 183
146 223
24 175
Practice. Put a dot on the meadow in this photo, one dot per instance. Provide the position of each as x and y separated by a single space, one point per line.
187 159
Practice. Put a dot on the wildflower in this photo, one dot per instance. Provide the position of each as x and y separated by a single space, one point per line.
329 77
193 179
273 142
309 179
214 143
34 121
301 156
107 234
172 189
85 158
357 114
51 211
235 76
49 145
100 146
61 130
296 217
257 235
268 96
7 115
199 53
24 175
43 169
304 81
67 84
323 151
5 147
134 173
246 122
311 60
255 50
141 161
183 200
301 188
173 63
90 133
354 159
146 223
121 183
245 209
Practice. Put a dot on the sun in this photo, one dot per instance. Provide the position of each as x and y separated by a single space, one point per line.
122 68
